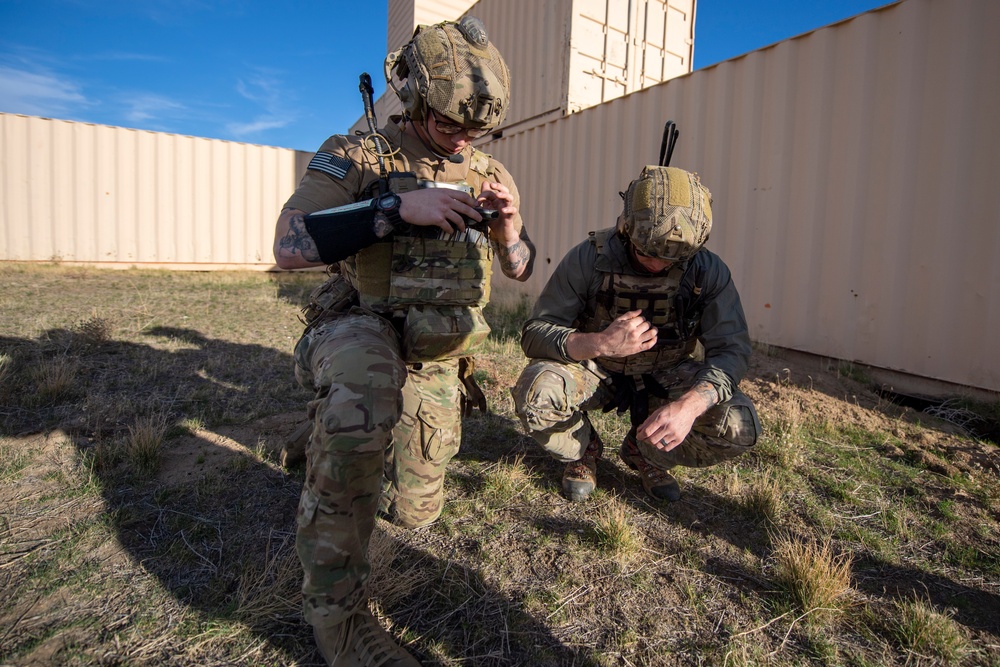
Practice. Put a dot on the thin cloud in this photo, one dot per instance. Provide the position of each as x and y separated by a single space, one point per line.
121 56
149 110
264 89
38 93
256 126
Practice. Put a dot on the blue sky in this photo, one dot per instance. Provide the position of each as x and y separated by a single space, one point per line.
264 72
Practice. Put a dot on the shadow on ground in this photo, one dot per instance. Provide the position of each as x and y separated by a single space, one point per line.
215 525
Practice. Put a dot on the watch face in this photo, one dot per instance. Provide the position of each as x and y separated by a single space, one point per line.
388 201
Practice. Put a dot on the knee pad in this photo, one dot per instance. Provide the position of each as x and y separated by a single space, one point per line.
541 397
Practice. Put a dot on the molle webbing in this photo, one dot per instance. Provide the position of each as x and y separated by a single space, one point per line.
413 270
417 271
655 296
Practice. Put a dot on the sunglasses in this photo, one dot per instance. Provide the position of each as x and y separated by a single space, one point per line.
449 128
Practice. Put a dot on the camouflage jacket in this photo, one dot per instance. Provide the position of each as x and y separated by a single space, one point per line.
709 301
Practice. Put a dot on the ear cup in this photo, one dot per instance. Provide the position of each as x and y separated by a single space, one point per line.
406 98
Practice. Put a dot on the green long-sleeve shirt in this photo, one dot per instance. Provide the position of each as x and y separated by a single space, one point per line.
572 289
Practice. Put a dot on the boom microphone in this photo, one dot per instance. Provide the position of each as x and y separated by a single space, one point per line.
456 158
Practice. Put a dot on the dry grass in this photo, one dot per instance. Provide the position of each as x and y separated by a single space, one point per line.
53 378
816 579
144 519
927 634
505 482
144 444
616 532
764 498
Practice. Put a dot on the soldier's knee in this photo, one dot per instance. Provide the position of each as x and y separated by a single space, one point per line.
541 398
734 423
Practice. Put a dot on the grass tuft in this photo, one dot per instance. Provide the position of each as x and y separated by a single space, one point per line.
54 378
504 482
144 444
764 498
924 632
271 590
615 531
92 331
814 578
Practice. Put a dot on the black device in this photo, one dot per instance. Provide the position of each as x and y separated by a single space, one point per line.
342 231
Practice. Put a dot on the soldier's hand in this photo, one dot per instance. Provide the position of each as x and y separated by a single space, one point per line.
668 425
496 196
629 333
438 207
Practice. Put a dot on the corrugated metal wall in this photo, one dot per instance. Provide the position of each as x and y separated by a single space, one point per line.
405 15
91 193
534 37
853 172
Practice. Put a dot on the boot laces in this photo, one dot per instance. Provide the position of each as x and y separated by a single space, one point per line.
646 468
584 467
373 644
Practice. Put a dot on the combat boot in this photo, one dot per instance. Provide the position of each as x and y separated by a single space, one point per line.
657 482
580 477
361 642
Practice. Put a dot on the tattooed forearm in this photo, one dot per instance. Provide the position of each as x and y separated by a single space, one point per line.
706 392
513 258
298 241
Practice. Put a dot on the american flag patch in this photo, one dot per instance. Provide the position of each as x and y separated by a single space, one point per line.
331 164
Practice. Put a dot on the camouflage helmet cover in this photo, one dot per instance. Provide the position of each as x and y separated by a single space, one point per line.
455 70
667 214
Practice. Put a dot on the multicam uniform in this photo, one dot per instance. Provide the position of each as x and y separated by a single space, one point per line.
702 337
388 392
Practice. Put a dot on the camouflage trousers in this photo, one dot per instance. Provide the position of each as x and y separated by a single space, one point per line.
383 432
552 399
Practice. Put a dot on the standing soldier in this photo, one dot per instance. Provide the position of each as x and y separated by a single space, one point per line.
389 334
641 318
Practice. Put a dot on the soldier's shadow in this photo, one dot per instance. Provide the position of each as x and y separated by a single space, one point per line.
215 525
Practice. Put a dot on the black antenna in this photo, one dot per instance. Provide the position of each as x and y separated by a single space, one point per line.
365 86
670 134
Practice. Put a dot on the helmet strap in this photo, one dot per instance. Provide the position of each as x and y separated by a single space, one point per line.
423 134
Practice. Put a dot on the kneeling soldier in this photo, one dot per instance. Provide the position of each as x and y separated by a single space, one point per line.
641 317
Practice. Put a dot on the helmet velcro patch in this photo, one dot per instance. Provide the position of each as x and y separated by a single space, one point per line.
667 213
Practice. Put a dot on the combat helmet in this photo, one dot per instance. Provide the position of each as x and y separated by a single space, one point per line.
667 214
453 69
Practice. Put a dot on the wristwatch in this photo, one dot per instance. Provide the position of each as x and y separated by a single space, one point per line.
387 213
